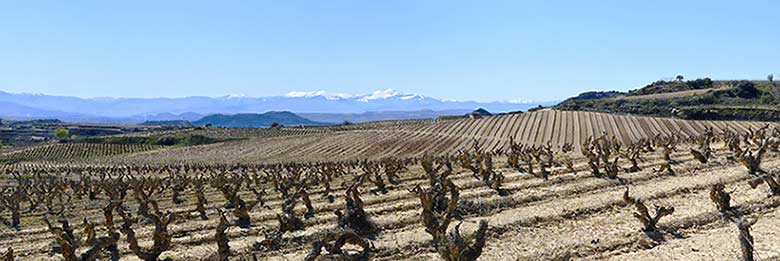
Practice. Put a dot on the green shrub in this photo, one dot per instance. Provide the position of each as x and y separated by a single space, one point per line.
746 90
700 83
61 133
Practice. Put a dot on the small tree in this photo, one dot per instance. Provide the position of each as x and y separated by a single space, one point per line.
770 78
61 133
679 77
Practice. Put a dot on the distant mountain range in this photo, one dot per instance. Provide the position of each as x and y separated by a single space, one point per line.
380 115
259 120
317 106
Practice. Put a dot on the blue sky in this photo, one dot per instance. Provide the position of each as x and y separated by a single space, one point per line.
465 50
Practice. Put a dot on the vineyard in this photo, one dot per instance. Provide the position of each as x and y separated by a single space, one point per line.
70 151
229 133
428 137
547 185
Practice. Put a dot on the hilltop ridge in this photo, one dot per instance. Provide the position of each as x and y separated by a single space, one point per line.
700 99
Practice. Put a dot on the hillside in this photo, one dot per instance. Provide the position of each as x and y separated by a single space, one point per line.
700 99
242 120
29 132
420 137
253 120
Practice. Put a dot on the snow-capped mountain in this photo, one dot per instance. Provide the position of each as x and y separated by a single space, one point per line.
376 95
142 109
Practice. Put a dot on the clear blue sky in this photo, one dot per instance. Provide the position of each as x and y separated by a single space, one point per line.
465 50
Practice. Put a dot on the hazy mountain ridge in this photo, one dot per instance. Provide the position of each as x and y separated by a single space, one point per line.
380 115
136 110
